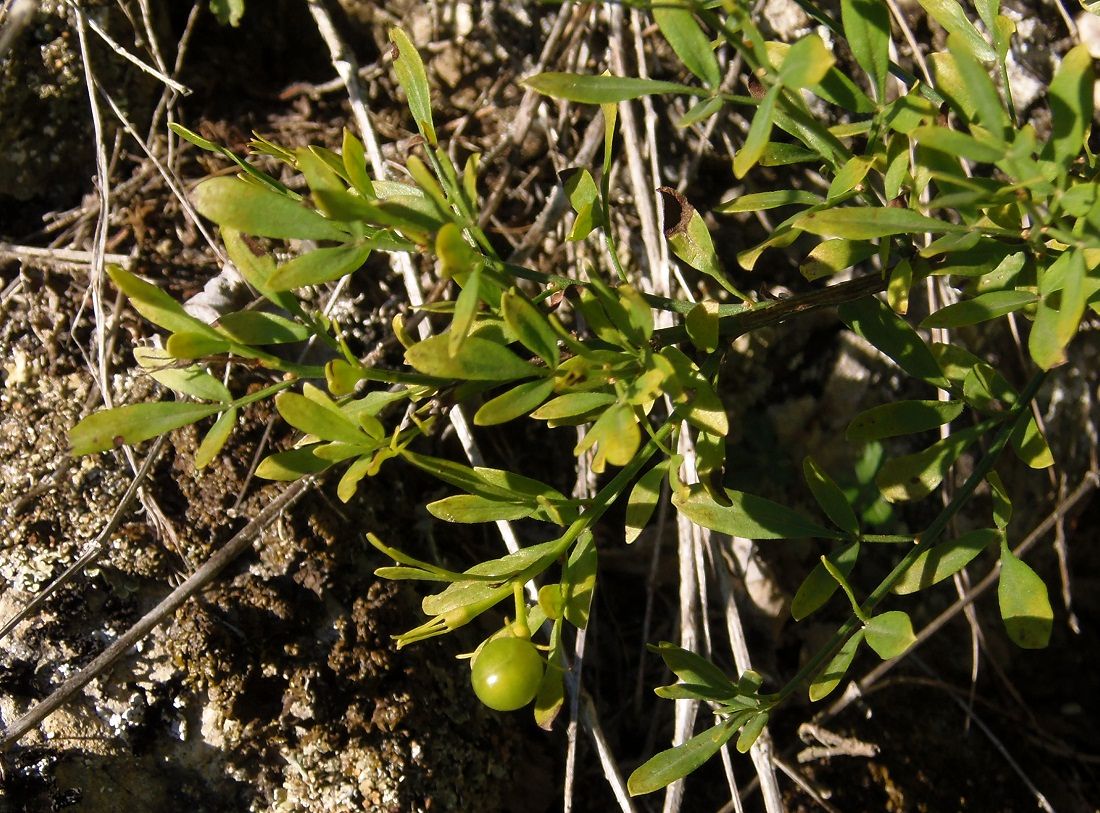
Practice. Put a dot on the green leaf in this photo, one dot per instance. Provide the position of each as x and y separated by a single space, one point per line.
1030 446
256 266
829 678
901 418
409 69
687 39
157 306
953 142
915 476
875 322
868 222
747 516
261 211
530 326
187 345
950 15
586 89
1025 605
849 176
867 29
700 111
702 325
642 501
353 156
982 101
830 497
696 671
760 132
584 197
945 559
192 380
833 256
326 421
616 436
465 310
806 63
1059 313
472 508
760 201
259 328
899 286
320 265
707 411
519 400
291 465
456 257
550 697
676 763
484 482
1071 100
751 732
819 585
1002 504
228 12
980 309
890 634
572 405
579 581
477 360
134 423
215 438
349 482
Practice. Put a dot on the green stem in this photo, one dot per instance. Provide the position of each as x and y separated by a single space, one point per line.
266 392
1017 414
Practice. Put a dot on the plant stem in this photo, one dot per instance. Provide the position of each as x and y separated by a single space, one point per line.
1018 413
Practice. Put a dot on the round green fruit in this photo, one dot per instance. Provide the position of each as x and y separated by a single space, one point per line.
507 673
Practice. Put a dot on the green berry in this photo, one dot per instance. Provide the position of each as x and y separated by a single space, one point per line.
507 673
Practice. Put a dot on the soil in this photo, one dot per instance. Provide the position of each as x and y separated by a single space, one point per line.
279 687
